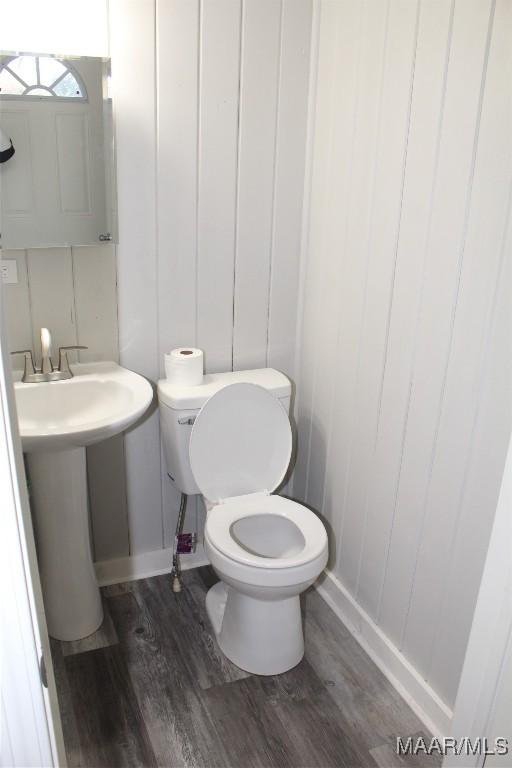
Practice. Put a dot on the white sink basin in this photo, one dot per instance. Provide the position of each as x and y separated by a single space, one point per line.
101 400
57 420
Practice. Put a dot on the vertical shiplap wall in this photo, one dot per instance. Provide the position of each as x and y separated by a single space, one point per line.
405 375
210 100
132 50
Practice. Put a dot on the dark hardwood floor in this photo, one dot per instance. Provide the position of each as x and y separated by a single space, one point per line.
151 688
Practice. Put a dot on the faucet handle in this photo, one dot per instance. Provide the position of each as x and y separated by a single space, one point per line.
63 358
29 369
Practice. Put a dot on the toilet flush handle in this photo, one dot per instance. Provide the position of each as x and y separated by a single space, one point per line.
187 420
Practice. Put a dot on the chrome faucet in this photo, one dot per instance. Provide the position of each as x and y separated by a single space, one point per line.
33 375
46 351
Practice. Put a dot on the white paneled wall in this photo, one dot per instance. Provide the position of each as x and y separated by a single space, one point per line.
72 291
405 375
210 100
132 51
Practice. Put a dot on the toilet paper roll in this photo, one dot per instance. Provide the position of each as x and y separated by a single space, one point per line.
184 366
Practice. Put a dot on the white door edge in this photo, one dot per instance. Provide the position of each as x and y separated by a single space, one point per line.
489 640
31 726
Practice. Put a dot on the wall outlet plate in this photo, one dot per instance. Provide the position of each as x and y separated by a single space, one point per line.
9 270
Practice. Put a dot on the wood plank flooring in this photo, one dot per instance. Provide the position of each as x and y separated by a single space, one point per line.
152 688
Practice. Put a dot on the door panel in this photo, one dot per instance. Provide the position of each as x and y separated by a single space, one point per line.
53 188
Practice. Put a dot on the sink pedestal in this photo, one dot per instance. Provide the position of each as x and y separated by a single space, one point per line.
59 503
57 420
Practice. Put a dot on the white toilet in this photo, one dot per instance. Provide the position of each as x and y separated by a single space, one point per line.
230 440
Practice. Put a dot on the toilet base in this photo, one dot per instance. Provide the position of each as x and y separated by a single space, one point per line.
216 598
263 637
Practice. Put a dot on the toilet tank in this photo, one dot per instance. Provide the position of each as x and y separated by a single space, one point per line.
180 405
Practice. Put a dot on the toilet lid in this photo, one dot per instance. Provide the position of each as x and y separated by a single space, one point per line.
241 443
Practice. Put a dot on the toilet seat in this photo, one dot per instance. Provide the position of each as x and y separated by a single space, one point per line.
221 531
240 449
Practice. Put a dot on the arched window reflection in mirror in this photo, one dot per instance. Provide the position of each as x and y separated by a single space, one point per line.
40 77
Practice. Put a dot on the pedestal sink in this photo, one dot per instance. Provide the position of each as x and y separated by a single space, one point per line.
57 420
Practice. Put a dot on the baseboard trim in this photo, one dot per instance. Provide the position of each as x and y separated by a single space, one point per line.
144 565
422 699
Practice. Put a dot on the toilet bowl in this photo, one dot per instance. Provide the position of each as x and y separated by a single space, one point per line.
266 549
230 439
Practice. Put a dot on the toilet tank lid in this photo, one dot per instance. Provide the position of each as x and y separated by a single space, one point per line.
184 398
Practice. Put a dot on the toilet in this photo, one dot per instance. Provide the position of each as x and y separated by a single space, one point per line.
230 440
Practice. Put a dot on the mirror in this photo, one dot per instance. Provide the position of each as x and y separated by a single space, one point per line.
56 152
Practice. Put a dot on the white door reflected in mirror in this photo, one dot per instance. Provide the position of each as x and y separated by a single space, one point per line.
57 187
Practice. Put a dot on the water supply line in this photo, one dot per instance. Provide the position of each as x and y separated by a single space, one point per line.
176 565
